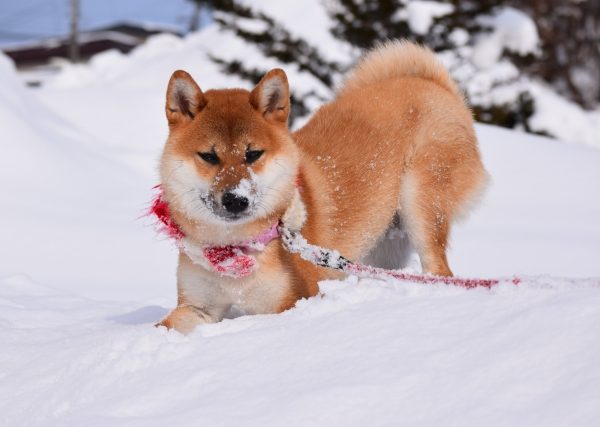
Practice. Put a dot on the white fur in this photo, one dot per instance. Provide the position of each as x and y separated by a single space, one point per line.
408 211
183 87
251 295
189 189
272 184
195 253
266 191
295 216
269 88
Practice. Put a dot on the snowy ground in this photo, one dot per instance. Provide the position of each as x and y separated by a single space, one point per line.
82 280
368 353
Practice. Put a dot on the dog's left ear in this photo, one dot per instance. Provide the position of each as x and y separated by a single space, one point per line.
271 96
184 99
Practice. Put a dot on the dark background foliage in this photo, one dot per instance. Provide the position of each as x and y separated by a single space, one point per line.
568 57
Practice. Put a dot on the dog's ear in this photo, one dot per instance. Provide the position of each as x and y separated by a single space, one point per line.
271 97
184 98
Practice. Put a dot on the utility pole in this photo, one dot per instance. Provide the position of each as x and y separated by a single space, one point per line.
194 22
74 32
201 7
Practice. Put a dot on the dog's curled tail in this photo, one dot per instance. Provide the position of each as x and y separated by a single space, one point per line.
397 59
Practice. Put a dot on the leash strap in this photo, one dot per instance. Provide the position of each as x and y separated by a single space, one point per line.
294 242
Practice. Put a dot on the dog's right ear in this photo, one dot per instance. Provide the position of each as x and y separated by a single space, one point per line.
271 97
184 98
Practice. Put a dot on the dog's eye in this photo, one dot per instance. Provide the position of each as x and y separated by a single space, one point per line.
253 155
210 157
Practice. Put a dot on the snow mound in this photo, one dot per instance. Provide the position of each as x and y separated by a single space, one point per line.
563 118
308 20
420 14
368 352
512 30
68 207
41 152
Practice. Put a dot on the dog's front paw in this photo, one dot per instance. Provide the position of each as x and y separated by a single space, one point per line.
184 319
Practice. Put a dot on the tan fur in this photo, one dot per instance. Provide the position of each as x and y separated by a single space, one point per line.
398 139
397 59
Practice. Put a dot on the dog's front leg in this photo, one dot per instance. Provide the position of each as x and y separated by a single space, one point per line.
185 318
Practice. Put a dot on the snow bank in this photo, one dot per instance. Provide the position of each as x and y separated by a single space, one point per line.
420 14
37 143
367 353
307 19
562 118
540 212
512 30
68 207
134 130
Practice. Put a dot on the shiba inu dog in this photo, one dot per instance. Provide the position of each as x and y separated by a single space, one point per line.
396 145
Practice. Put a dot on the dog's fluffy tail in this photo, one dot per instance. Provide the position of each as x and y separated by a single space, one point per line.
397 59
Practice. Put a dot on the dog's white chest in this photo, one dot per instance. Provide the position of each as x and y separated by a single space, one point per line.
260 293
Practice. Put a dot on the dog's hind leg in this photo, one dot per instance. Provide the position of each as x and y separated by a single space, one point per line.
438 186
427 224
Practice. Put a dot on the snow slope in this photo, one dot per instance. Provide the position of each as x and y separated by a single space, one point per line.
368 353
82 280
69 206
540 214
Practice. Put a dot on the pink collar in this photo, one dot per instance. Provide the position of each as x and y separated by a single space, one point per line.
229 260
263 239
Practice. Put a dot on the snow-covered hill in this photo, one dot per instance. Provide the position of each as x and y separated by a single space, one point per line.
82 280
368 353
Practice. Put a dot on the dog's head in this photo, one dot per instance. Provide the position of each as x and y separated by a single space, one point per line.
229 159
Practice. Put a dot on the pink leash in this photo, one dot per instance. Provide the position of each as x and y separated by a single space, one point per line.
295 243
236 260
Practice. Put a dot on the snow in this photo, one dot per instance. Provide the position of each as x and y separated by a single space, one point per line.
83 280
563 118
540 214
69 206
512 30
306 19
367 353
420 14
252 26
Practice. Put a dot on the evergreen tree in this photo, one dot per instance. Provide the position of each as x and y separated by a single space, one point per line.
569 61
364 23
276 42
570 51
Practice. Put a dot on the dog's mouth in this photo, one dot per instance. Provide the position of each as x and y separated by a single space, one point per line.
233 217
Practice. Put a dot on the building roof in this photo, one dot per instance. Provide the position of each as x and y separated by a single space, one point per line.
123 36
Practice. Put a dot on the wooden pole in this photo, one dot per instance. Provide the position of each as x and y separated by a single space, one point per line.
74 32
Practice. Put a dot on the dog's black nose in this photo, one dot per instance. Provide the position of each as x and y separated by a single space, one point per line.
233 203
